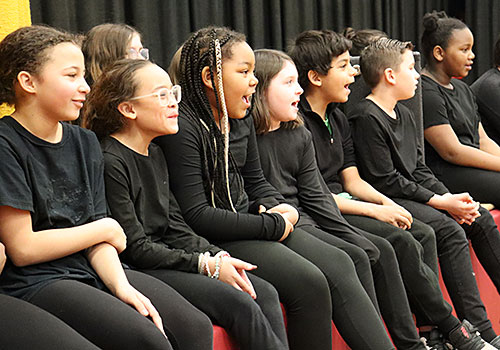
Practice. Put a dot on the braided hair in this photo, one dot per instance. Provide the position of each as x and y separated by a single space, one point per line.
207 48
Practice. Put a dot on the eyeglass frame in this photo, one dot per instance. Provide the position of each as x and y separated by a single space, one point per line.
170 92
142 53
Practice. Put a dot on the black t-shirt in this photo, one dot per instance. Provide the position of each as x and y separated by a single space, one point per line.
183 154
61 185
289 164
487 91
456 107
139 198
334 152
388 153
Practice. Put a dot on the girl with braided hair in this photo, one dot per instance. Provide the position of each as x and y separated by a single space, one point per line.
216 176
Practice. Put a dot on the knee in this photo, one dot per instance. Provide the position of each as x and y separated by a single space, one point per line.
451 235
387 253
359 258
311 283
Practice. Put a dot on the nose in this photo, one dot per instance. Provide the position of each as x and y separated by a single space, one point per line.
472 55
84 87
253 80
355 70
299 90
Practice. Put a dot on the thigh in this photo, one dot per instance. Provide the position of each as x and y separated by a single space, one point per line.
99 316
480 183
445 227
25 326
186 326
211 296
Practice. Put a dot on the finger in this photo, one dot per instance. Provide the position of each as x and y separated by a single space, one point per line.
245 284
153 313
405 221
239 264
262 209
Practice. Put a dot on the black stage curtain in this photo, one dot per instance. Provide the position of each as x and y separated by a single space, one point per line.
165 24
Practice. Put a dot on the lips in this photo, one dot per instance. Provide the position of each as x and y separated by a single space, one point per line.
78 103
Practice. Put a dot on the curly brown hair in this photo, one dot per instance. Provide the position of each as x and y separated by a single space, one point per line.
27 49
118 84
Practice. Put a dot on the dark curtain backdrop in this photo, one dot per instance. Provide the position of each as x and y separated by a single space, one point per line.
165 24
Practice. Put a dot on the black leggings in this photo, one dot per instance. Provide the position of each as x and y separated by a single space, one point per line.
254 324
25 326
483 185
454 259
384 276
419 270
111 324
310 275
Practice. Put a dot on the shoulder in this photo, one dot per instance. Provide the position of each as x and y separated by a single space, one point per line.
87 138
365 110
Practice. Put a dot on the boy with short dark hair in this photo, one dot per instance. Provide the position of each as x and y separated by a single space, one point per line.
391 159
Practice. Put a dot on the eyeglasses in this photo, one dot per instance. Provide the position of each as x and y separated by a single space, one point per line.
357 68
142 53
164 95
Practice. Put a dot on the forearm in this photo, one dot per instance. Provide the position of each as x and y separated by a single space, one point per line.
28 247
489 146
353 207
365 192
103 257
473 157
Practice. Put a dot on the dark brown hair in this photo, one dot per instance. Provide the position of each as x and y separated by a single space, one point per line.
26 49
116 85
174 67
380 55
268 63
362 38
105 44
314 50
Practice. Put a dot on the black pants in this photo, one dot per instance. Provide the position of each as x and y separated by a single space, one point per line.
25 326
482 184
420 280
386 280
454 258
310 275
111 324
254 324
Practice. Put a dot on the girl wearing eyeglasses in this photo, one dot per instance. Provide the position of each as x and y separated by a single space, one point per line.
109 42
130 104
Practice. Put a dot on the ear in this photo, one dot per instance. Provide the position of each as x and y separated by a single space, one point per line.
127 110
26 82
438 53
206 77
314 78
389 76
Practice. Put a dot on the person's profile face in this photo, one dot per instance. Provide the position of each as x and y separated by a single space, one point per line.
283 95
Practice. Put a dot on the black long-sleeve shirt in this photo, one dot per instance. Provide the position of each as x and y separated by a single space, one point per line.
335 150
289 164
388 153
139 198
183 154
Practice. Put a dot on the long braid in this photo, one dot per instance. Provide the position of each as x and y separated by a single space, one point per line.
205 48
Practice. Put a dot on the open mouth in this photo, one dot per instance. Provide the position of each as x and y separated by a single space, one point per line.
247 100
295 104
